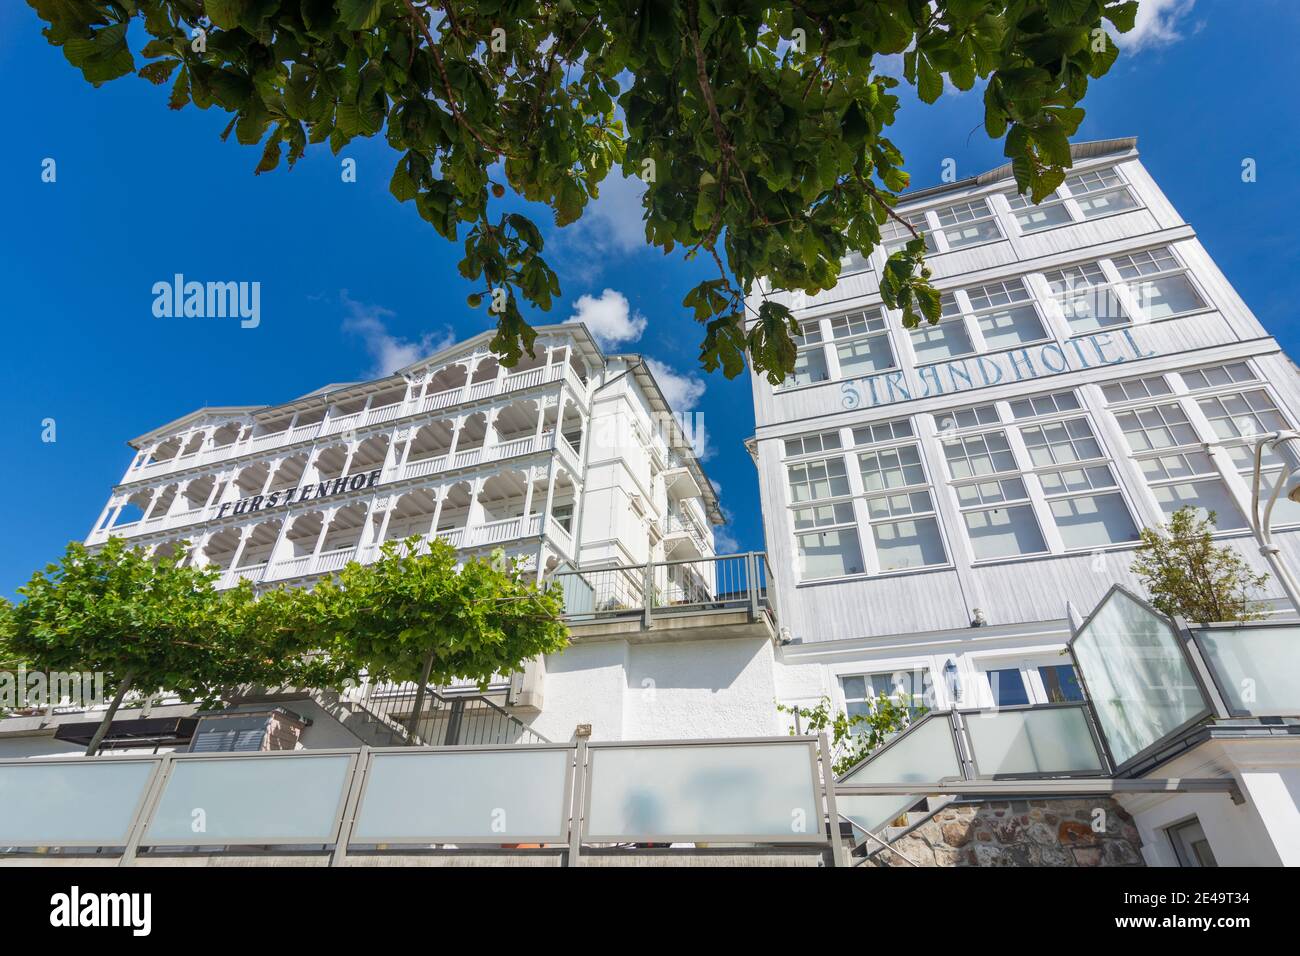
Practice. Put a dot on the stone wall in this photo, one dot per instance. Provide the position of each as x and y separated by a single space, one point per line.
1064 832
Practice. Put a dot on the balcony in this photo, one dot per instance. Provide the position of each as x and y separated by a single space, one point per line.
683 537
523 804
728 595
468 392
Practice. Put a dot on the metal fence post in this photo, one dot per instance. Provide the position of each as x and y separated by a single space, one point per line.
647 594
453 722
351 803
751 579
579 803
152 792
838 856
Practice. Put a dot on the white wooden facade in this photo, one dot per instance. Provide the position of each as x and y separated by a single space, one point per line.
939 442
571 457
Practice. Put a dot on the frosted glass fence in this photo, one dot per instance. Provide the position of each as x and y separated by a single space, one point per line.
925 753
516 795
273 798
91 803
1137 676
741 791
1256 667
1032 742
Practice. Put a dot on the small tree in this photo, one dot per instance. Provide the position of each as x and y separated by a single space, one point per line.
1188 576
148 624
412 615
854 737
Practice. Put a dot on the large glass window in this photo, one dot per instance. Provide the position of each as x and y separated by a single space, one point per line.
895 235
945 339
1159 283
1084 298
1243 415
1046 214
911 688
862 343
814 480
968 223
1005 314
829 554
1100 192
1156 427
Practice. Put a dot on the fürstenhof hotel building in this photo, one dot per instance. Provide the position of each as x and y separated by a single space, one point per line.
943 508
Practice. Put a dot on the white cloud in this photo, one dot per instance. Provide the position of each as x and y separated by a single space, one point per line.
388 352
1156 25
610 226
609 318
682 392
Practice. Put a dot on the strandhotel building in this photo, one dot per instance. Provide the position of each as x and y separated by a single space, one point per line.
942 508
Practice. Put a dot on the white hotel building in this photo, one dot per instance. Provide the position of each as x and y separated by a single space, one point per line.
942 508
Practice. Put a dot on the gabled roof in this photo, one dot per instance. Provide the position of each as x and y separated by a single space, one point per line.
178 424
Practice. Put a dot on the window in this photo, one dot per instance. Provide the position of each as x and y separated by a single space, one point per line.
904 528
1136 389
1005 314
814 480
1100 192
1048 213
1191 847
1158 283
1060 443
1008 529
1060 683
1004 532
882 432
969 417
1007 687
1155 427
910 687
1041 405
1097 518
854 263
1206 495
811 444
1085 300
947 338
968 223
979 455
1217 376
895 235
862 343
829 554
810 360
1244 415
1285 511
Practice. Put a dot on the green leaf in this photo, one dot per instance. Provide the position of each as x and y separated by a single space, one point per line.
360 14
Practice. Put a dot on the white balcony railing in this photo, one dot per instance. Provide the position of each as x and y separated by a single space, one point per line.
385 413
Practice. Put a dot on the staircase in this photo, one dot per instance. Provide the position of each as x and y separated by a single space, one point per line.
877 849
379 715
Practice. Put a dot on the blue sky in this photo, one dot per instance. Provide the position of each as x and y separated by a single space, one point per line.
352 280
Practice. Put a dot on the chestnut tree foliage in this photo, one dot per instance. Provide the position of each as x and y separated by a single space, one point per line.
758 129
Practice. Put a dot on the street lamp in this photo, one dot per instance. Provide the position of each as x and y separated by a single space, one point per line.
1286 446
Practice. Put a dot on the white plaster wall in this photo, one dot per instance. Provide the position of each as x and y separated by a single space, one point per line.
688 689
1236 833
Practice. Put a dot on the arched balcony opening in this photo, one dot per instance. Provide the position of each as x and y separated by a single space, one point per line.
166 451
571 429
198 491
252 479
526 361
344 530
563 500
310 416
261 540
304 531
349 405
164 502
472 433
221 549
370 454
330 462
388 396
449 378
502 496
278 425
487 370
227 435
454 514
515 422
288 474
131 511
429 447
412 514
194 443
166 549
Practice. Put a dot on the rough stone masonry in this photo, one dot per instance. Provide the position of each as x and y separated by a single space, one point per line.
1066 832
